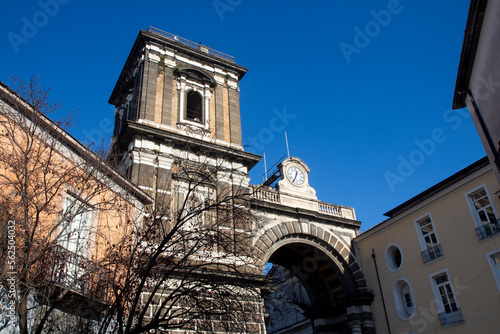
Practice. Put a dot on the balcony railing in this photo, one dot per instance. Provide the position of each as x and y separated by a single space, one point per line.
266 195
451 318
487 231
432 253
271 195
78 274
192 45
330 209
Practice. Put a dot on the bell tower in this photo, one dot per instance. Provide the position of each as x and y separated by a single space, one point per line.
175 98
177 136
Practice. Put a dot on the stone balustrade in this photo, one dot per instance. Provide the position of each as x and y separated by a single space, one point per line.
267 194
329 209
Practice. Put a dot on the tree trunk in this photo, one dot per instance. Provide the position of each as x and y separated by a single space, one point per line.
23 314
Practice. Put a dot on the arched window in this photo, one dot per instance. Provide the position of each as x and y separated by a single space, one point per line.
403 299
194 106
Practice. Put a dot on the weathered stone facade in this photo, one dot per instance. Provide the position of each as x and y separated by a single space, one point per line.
177 107
312 241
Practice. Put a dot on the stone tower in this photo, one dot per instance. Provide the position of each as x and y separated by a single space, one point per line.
176 98
177 136
177 113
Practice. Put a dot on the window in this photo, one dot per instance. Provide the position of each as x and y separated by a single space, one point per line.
180 197
449 312
192 194
75 228
494 262
429 243
403 299
393 257
484 214
396 255
190 206
71 255
195 92
194 106
407 297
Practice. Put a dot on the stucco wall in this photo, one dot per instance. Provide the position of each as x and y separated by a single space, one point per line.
464 259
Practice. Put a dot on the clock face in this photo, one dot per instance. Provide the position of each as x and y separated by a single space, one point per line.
295 175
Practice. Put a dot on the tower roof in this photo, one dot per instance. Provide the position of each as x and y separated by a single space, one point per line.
167 41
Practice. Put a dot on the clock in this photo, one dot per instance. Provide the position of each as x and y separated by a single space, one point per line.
295 175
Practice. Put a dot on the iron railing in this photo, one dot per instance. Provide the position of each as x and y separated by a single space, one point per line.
432 253
192 45
77 273
487 231
450 318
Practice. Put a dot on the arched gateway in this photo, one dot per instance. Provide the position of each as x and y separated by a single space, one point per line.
177 107
310 241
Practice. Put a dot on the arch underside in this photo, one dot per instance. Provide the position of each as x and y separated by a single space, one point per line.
323 263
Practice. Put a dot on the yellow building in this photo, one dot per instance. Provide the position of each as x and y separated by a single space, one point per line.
433 265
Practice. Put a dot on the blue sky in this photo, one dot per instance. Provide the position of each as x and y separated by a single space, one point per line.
363 88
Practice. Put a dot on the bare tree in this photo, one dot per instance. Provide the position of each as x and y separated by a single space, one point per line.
185 263
191 264
46 241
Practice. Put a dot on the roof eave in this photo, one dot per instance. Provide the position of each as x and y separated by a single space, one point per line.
472 33
438 187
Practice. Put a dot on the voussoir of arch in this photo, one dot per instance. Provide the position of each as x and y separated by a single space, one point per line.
276 236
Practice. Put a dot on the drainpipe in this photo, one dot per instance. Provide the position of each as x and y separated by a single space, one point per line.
381 293
312 324
298 215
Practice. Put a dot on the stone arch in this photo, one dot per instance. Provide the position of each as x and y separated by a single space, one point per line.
196 74
276 236
337 285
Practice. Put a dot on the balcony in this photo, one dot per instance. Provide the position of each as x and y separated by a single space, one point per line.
271 195
76 273
488 231
266 195
451 318
432 253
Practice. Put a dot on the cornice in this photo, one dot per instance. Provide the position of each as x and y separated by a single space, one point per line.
472 33
246 158
429 196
